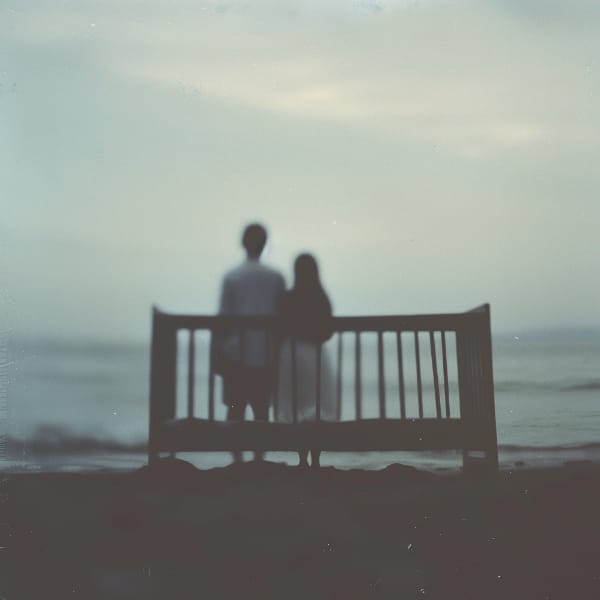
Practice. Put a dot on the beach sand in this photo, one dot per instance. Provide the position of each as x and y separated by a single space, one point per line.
273 531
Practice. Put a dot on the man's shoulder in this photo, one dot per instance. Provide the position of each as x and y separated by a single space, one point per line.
250 270
271 272
233 273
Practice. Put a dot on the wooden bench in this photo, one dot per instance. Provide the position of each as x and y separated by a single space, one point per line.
426 409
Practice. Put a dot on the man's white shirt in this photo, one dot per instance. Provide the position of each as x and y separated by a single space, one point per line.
249 289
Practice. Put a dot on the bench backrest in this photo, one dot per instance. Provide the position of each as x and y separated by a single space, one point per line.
442 366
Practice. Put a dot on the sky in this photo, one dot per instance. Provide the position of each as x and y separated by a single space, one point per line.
434 155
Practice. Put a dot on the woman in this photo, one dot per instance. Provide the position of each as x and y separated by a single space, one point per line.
305 315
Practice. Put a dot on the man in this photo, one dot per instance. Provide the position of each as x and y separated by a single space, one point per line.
244 359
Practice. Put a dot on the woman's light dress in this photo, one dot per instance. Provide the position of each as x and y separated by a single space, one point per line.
306 373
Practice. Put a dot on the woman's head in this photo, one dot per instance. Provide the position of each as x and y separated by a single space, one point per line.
306 272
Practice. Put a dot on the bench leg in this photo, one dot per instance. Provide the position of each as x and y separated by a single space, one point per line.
491 456
152 458
315 455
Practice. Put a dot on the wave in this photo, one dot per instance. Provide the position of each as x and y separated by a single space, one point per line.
541 386
371 382
53 440
588 385
566 384
557 448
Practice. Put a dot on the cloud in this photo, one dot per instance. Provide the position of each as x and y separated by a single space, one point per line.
466 76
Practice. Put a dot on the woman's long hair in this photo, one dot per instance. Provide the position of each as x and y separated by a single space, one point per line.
309 295
306 274
308 306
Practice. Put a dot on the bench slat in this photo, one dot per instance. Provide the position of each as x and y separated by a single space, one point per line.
365 435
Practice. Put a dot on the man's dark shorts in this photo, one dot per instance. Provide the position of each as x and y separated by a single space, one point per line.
247 385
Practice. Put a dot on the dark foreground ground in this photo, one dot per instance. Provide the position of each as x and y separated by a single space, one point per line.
273 531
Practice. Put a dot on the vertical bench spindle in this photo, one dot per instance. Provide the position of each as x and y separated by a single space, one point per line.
419 382
483 406
272 361
190 378
294 386
211 384
338 403
401 376
445 367
381 370
318 380
436 383
357 378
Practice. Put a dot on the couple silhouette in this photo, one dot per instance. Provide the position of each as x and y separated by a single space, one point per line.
256 365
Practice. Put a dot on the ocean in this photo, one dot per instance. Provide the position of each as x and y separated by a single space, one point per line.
83 406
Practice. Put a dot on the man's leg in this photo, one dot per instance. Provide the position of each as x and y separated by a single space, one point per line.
260 409
303 458
315 462
260 396
236 405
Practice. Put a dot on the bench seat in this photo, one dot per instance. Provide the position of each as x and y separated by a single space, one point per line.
181 435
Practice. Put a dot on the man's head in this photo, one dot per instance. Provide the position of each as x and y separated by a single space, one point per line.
254 239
